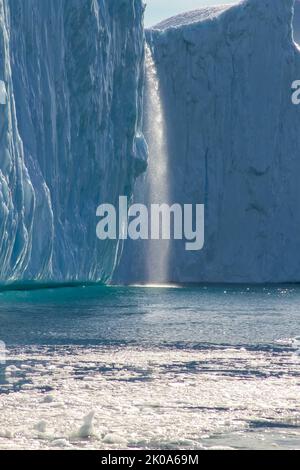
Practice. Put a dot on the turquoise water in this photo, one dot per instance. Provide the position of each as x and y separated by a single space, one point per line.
189 367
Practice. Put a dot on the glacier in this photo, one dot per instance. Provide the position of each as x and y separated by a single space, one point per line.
71 137
232 143
296 22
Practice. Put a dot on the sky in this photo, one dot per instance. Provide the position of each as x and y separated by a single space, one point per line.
158 10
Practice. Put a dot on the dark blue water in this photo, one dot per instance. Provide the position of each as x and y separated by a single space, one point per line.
193 315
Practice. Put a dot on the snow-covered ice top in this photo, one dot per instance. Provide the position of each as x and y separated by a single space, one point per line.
195 16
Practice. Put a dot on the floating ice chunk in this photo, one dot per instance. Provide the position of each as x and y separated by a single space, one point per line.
114 439
220 448
41 426
6 434
48 399
87 429
2 92
296 346
296 342
2 352
61 443
12 368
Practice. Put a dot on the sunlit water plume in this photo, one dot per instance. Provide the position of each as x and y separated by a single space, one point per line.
158 189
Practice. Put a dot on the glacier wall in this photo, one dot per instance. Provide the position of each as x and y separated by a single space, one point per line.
296 22
233 140
70 132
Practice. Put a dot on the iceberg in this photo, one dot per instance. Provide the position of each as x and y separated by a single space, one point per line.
296 22
233 141
71 82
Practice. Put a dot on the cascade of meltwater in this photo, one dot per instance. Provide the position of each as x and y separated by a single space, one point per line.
151 257
157 256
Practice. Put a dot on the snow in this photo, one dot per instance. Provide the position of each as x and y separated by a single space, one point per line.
191 17
70 132
148 398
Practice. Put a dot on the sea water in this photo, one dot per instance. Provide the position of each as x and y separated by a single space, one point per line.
150 368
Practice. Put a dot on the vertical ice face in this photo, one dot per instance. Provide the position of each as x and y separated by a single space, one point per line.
70 132
296 23
234 141
233 138
17 197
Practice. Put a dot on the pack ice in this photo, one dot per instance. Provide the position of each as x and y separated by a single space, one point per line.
70 132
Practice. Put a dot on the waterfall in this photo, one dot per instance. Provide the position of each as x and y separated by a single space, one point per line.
147 261
157 180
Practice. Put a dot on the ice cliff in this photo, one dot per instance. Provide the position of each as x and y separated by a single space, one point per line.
296 23
233 140
70 132
219 120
